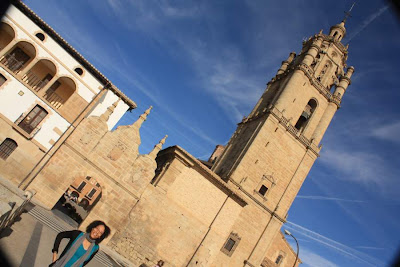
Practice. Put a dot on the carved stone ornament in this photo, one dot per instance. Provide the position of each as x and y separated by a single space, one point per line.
117 151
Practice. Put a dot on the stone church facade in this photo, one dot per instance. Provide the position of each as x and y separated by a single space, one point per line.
167 204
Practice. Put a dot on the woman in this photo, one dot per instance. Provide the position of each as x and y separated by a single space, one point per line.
81 247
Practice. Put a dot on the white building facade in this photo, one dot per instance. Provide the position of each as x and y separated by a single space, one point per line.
46 88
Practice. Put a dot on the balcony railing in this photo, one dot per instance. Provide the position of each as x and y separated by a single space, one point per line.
34 82
11 63
54 99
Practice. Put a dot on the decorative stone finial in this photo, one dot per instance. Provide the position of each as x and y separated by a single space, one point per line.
157 147
106 115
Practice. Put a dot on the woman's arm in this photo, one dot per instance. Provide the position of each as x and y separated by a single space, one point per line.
62 235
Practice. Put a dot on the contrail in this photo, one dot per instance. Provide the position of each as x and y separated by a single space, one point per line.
368 21
341 248
331 198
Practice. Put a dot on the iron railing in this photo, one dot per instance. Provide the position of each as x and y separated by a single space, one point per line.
15 211
54 99
11 63
34 81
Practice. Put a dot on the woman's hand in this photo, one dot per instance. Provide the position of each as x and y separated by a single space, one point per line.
54 256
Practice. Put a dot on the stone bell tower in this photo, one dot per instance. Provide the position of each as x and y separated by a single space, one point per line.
274 148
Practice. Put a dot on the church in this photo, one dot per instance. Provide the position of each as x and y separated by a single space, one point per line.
227 211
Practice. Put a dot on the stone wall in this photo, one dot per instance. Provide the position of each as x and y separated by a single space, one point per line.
185 218
111 158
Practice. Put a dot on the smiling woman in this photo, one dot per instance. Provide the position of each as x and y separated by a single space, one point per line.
81 247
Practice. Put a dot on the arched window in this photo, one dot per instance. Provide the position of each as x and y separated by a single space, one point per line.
79 71
334 34
33 119
7 147
19 56
7 34
306 115
40 36
60 91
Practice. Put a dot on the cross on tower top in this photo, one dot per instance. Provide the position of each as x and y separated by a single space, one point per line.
347 13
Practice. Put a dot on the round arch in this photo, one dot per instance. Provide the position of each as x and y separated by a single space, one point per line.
7 34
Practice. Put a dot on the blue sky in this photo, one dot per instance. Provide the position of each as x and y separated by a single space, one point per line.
204 64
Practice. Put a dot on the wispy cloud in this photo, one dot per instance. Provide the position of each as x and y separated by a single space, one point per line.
367 21
336 246
330 198
223 69
314 260
361 167
388 132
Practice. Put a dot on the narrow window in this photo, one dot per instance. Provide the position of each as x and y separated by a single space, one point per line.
2 79
33 119
81 186
231 244
7 147
279 259
91 193
40 36
263 190
79 71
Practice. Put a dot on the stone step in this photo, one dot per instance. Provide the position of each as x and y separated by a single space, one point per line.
52 221
49 219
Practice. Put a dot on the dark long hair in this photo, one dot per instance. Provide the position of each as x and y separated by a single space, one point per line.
94 224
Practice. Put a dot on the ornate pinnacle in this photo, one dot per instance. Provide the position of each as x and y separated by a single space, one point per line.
146 113
143 117
157 147
106 115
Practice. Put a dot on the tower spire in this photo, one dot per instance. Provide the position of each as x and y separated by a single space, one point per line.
347 14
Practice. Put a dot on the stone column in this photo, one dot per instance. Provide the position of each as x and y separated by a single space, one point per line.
28 67
332 107
286 63
344 83
42 91
286 96
312 51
